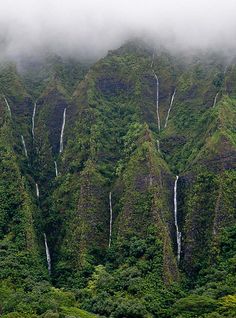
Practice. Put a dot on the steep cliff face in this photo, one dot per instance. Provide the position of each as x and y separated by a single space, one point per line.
144 200
109 126
87 238
50 108
104 147
20 248
208 205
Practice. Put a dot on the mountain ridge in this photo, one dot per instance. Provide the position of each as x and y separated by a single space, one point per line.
113 150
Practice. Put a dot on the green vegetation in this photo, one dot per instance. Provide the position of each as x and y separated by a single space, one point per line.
112 149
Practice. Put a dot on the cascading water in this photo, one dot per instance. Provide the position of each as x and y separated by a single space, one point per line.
56 170
47 253
215 99
33 119
150 180
111 216
158 145
157 102
62 130
171 103
178 234
24 146
37 190
8 106
157 94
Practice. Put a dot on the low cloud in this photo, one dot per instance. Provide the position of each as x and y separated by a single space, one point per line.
92 27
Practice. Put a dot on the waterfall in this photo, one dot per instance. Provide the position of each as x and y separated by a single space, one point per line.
178 234
171 103
157 102
62 130
157 94
47 253
158 145
33 118
37 189
8 106
215 99
24 146
111 216
150 180
56 170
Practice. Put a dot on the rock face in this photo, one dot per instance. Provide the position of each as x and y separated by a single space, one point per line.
50 116
112 144
90 220
146 201
20 248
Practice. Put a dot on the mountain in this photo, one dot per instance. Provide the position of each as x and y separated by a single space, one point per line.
118 186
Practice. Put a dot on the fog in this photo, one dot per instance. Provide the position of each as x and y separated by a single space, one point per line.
92 27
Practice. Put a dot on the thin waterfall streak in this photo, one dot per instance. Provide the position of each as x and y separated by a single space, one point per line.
111 216
178 233
150 180
215 99
8 106
62 130
37 190
157 102
56 169
157 94
47 253
158 145
33 118
171 104
24 146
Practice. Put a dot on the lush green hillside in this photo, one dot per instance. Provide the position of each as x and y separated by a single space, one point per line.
104 221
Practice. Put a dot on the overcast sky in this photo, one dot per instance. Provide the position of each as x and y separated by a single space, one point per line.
95 26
